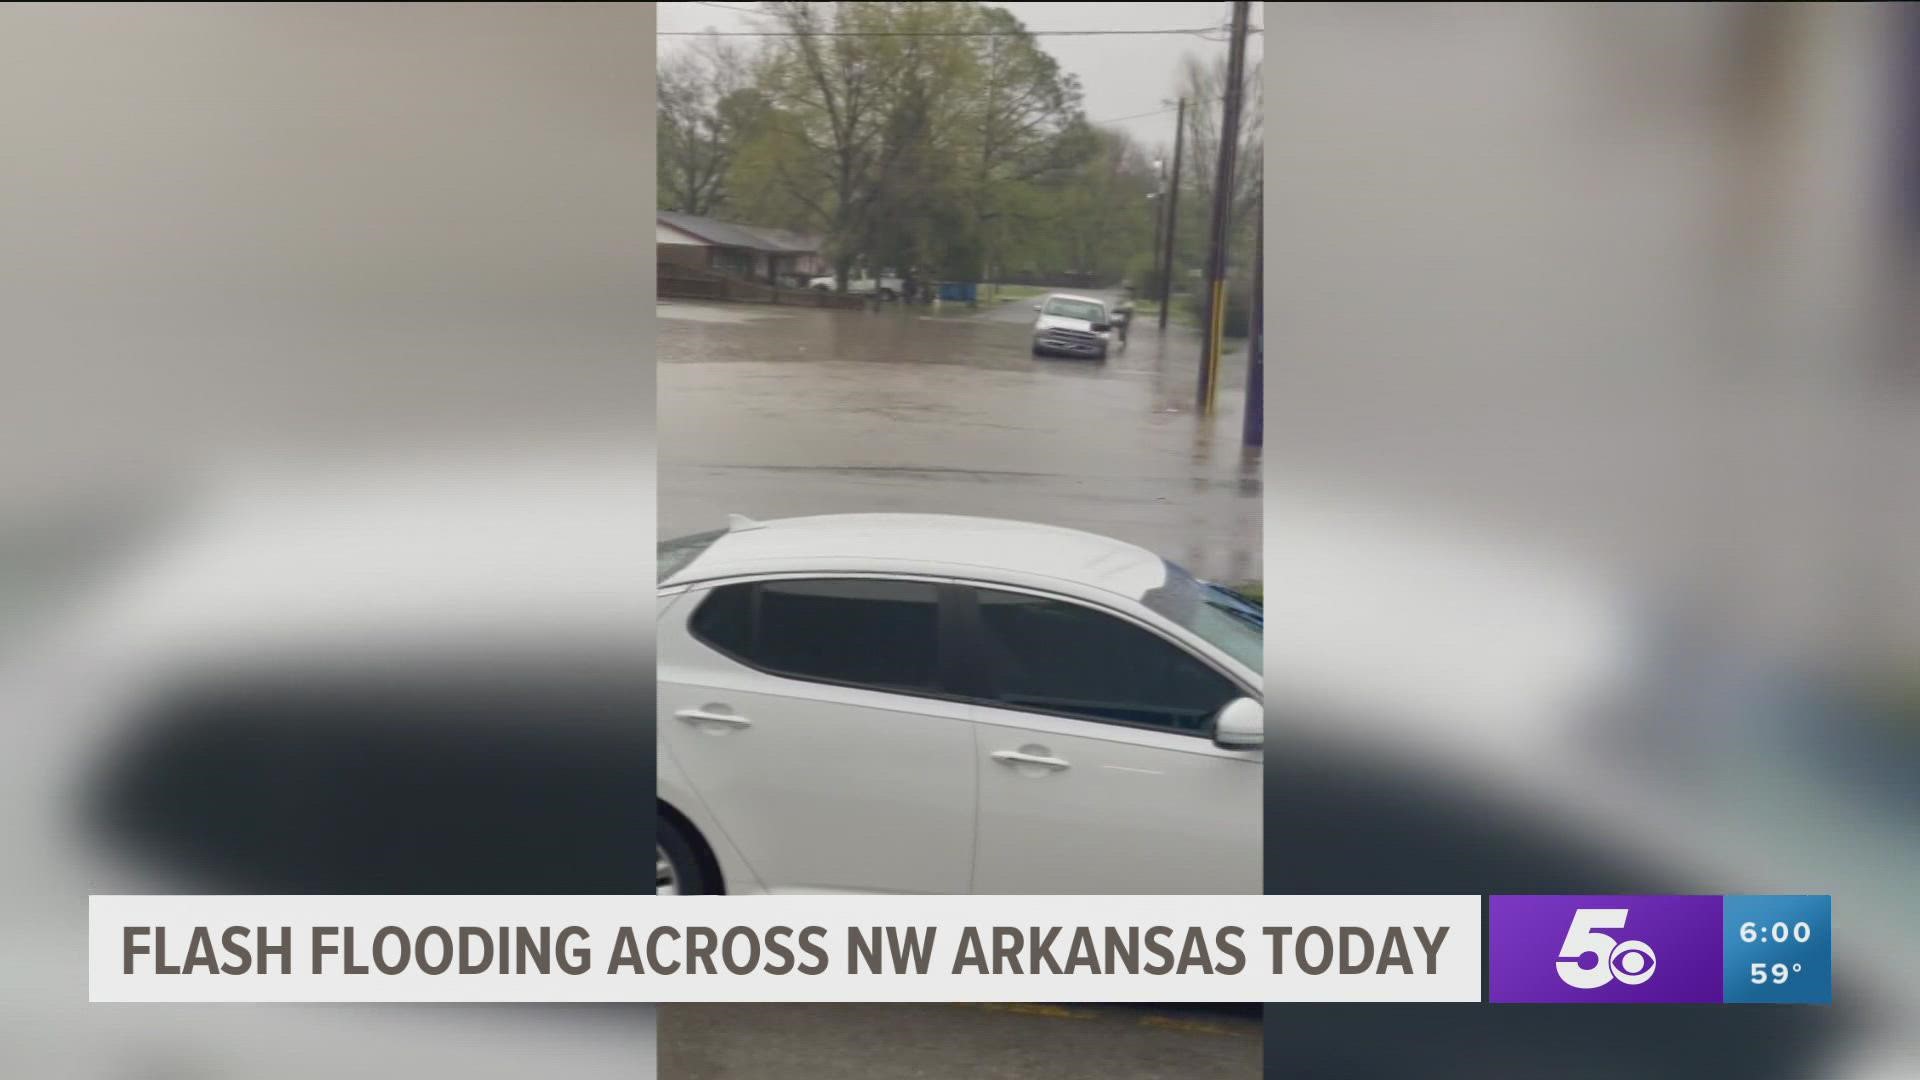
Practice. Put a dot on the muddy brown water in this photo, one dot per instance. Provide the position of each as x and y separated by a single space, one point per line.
773 412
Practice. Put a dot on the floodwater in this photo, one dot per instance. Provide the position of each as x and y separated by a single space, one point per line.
988 1041
774 412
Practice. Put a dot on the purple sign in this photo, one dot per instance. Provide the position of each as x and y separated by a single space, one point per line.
1604 949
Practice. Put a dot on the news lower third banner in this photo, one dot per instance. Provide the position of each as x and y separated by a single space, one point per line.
1536 949
784 948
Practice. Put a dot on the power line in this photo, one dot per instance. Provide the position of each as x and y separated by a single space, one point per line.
1150 112
925 139
1197 31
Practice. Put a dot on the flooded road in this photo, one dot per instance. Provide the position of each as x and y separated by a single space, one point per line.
983 1041
772 412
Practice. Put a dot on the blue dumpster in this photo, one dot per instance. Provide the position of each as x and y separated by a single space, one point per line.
960 292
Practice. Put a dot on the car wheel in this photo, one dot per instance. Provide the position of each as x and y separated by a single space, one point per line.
823 288
888 294
1101 356
676 869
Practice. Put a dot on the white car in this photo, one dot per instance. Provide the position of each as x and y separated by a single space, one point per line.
887 286
910 703
1072 326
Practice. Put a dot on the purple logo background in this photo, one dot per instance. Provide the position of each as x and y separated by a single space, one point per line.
1525 935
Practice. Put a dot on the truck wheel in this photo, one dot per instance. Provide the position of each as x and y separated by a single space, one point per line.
888 294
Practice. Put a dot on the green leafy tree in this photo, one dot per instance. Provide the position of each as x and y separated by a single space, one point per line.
1022 126
940 137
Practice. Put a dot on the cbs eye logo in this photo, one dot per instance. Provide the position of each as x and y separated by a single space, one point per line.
1590 959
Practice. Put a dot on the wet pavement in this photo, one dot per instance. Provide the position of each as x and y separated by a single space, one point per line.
959 1042
773 412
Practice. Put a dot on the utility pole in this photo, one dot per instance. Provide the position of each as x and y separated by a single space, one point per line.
1222 202
1173 216
1253 427
1159 199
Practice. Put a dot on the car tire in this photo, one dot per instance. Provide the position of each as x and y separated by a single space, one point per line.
1102 356
823 288
677 867
889 294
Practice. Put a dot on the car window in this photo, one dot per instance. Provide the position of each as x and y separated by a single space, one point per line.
1229 621
1075 309
863 632
673 556
1057 657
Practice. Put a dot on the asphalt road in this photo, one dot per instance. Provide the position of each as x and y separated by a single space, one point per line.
901 1041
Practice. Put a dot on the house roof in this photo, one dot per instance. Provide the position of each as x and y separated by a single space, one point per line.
664 233
751 237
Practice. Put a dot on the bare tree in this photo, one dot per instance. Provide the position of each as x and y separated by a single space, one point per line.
706 99
1204 85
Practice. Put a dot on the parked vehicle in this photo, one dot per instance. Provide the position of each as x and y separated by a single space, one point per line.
273 710
1073 326
887 286
913 703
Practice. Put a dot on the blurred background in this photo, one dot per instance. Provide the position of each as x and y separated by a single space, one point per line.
325 499
1590 482
1593 493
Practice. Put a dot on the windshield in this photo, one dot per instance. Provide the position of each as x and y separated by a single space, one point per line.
1075 309
677 554
1227 620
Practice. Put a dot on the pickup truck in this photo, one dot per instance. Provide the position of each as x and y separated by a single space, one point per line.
887 286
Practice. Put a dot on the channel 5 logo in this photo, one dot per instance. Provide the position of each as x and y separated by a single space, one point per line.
1591 958
1604 949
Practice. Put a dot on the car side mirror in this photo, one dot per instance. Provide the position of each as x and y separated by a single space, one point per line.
1036 307
1240 725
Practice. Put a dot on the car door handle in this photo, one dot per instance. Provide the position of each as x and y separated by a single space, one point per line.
702 716
1016 757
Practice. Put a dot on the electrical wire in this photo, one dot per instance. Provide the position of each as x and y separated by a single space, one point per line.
1201 32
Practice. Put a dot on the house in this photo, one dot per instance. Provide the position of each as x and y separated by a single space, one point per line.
775 256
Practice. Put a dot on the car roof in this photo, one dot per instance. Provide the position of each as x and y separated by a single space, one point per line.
1076 296
979 547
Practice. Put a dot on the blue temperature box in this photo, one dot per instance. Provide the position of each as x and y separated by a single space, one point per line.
1778 949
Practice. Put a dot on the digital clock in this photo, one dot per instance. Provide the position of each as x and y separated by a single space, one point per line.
1777 950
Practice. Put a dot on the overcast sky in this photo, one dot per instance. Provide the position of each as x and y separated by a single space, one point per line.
1122 76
